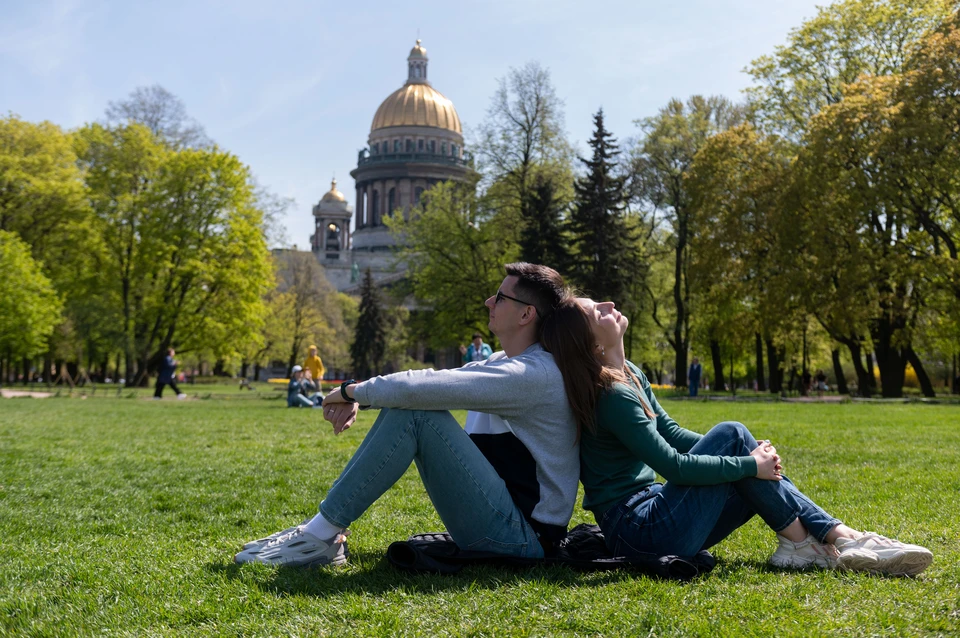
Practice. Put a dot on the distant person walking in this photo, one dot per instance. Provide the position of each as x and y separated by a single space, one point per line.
314 365
165 377
693 376
477 350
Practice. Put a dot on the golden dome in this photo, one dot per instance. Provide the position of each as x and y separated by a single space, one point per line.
333 195
418 51
417 105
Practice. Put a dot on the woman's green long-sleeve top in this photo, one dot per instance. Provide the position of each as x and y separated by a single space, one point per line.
629 449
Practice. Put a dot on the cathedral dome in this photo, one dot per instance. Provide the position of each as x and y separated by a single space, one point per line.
417 103
333 195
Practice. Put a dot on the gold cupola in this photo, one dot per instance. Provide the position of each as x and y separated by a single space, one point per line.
417 103
333 195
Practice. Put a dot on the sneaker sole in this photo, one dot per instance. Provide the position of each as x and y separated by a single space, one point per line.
818 562
906 563
249 556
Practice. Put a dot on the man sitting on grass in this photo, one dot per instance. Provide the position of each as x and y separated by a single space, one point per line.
507 484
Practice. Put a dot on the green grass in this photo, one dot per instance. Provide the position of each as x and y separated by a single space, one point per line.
122 516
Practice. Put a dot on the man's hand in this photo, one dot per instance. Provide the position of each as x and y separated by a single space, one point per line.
341 415
768 461
463 349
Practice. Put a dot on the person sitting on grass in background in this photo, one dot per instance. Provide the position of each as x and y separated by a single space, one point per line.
295 390
314 365
715 482
477 350
506 483
165 376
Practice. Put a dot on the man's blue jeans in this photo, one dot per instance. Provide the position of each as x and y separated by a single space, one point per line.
468 494
683 519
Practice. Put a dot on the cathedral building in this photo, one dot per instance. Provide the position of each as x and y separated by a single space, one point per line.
415 141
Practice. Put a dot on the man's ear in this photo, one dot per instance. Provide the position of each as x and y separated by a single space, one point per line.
529 316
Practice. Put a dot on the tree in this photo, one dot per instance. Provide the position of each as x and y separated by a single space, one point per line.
867 278
831 51
526 159
43 200
306 305
186 262
604 263
29 306
369 344
661 157
163 113
742 279
454 251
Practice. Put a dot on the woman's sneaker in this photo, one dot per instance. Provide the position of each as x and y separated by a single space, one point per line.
881 555
260 542
805 554
299 548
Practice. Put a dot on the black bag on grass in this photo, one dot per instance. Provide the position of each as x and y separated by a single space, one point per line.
582 549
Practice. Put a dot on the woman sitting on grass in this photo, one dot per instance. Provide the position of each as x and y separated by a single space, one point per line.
715 482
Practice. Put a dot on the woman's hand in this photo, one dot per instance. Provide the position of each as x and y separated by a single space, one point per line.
768 462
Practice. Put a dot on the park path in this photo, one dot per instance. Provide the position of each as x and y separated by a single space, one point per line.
13 394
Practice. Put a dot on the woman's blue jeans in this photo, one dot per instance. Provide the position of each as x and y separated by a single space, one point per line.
683 519
468 494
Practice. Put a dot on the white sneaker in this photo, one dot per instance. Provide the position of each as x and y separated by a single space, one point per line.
807 553
260 542
181 396
881 555
299 548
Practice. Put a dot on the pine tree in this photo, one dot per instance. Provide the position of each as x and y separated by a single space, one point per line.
542 240
604 261
370 342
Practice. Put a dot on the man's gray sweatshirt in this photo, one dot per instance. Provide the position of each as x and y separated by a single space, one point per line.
534 448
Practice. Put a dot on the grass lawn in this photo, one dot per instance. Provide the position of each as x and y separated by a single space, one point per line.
122 516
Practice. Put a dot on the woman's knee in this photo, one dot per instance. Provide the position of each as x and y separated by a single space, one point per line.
734 430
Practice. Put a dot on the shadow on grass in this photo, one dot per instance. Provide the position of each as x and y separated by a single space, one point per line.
371 573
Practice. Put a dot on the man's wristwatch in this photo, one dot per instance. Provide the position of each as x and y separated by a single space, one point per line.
343 390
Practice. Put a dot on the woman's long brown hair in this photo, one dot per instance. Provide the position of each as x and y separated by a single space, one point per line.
566 334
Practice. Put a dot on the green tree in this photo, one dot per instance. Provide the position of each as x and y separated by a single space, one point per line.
454 251
29 306
605 264
307 305
370 343
743 279
830 51
186 261
663 154
527 163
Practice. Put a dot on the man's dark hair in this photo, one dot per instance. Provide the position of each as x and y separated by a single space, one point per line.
541 286
477 335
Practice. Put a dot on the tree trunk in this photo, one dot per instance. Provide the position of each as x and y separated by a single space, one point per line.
793 378
864 386
26 371
647 371
925 386
773 365
244 365
871 374
256 371
678 298
717 366
955 381
219 368
890 359
838 372
758 341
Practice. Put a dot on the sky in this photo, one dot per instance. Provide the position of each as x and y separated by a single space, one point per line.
291 86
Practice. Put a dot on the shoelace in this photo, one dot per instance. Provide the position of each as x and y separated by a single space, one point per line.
283 538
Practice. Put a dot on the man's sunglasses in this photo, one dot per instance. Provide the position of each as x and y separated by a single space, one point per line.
500 296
